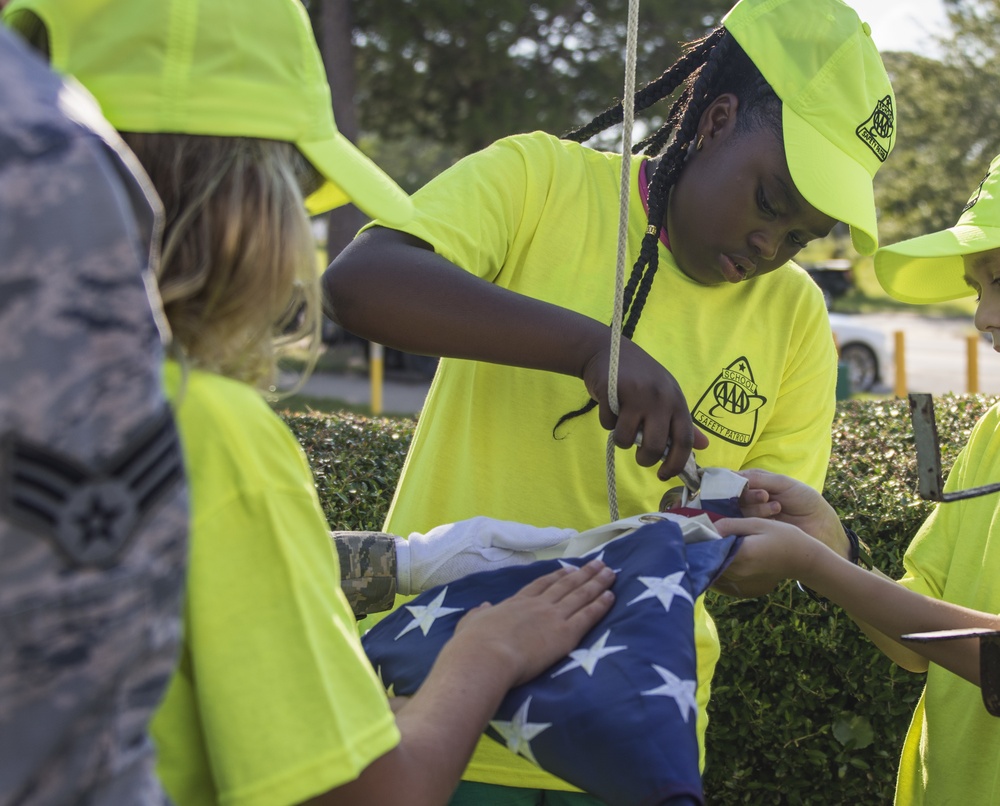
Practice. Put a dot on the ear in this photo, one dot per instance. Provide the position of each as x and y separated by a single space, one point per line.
718 121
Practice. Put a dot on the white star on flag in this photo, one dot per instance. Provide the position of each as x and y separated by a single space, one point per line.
425 615
519 731
681 690
587 659
664 589
573 567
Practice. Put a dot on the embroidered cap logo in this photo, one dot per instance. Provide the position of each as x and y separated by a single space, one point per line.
975 196
876 132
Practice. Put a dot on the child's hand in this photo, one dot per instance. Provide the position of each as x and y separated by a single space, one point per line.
771 552
542 622
650 401
771 495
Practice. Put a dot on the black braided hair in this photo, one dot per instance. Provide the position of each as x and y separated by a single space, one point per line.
708 68
694 57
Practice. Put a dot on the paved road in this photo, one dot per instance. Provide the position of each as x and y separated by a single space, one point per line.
399 396
935 353
935 361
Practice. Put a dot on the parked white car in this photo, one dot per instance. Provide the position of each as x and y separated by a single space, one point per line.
867 351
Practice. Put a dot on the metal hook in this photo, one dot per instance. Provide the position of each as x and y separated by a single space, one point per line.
929 475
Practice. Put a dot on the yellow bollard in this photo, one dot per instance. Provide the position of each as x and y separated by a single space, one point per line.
972 363
900 364
376 366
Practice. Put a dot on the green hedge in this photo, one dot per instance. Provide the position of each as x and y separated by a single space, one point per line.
804 709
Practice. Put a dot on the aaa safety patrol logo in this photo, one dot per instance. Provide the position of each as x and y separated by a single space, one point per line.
729 406
879 130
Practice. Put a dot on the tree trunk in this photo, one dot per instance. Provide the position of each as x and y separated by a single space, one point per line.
335 23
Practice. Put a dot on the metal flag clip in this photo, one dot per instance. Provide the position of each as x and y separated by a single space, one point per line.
690 475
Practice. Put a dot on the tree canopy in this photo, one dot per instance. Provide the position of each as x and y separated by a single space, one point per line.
949 124
465 72
438 79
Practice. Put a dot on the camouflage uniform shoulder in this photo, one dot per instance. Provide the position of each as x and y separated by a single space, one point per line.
93 513
367 570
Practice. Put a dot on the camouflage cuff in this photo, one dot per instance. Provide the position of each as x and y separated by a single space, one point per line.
367 570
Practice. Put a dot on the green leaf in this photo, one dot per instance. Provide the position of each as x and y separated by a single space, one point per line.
853 731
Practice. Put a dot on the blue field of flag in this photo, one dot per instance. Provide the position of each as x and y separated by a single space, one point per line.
617 716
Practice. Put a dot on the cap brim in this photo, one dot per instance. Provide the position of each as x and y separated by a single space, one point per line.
830 180
930 268
352 177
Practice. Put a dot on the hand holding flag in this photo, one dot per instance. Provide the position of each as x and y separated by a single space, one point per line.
615 717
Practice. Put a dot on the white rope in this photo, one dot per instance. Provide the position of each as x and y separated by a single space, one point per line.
628 116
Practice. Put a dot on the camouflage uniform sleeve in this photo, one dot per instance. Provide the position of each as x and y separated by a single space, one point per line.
93 509
367 570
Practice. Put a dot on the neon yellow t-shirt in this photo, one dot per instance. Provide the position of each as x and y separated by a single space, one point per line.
273 700
538 215
951 749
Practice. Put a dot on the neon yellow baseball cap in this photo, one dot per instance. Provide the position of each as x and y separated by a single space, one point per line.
243 68
838 108
930 268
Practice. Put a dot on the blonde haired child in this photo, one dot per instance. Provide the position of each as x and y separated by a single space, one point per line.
227 106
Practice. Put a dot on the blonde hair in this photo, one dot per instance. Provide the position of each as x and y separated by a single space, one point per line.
238 274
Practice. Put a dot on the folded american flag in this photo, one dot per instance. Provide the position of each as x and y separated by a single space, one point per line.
617 716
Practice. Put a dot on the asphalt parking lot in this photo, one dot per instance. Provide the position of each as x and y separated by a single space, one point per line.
935 362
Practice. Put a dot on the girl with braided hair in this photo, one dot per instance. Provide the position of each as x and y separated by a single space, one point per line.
779 120
713 66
